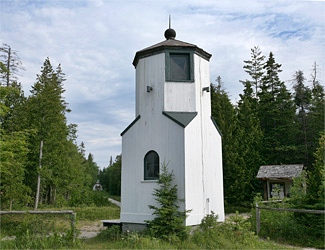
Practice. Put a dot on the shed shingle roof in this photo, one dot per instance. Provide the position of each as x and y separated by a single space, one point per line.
279 171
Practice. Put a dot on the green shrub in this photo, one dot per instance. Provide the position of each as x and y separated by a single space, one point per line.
89 198
209 221
112 233
314 224
241 207
207 235
234 233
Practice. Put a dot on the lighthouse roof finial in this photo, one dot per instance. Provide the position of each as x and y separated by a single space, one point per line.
170 22
170 33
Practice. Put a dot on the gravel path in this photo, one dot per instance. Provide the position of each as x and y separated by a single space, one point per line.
117 203
90 231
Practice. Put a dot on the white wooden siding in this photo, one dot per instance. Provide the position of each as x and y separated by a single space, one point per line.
192 153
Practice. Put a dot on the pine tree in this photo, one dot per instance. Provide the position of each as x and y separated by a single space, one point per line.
316 177
224 114
302 98
92 170
169 221
47 114
254 67
316 115
276 112
114 176
250 142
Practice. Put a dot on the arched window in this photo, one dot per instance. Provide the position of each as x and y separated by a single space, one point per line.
151 166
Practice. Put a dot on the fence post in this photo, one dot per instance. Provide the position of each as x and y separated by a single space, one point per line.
73 226
258 219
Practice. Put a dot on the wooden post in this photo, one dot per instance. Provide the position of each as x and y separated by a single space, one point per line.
38 189
73 226
258 219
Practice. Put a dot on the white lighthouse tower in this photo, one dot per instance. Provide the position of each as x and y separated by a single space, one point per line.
173 125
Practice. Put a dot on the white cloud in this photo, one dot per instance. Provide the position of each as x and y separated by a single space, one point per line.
95 42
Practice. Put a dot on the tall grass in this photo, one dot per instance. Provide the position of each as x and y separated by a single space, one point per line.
96 213
54 232
35 231
233 234
297 229
30 231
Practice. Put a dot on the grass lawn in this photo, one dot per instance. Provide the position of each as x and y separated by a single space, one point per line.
44 232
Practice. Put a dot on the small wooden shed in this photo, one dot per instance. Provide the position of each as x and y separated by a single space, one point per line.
277 179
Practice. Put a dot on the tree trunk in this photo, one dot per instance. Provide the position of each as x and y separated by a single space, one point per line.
54 195
10 205
8 67
39 176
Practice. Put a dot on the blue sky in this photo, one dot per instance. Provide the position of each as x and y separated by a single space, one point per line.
96 40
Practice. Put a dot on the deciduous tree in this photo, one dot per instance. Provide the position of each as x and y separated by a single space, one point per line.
14 149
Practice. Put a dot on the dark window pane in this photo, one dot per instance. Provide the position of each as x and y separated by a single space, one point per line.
151 166
179 67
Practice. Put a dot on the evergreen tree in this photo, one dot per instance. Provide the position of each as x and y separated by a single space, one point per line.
250 140
47 113
15 119
276 112
104 178
114 175
316 119
224 114
39 154
302 98
169 221
73 183
316 177
10 65
254 67
110 177
3 69
92 170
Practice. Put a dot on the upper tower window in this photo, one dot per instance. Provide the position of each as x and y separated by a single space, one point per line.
179 67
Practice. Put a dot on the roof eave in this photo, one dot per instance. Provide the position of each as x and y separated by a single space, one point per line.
161 47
